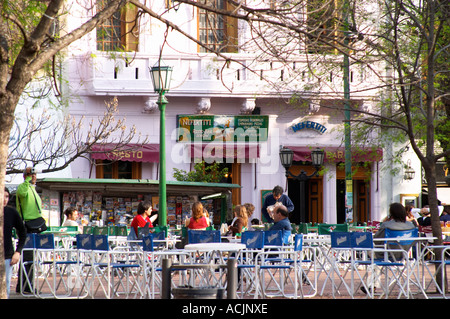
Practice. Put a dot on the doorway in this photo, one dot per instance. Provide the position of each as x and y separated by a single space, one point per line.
312 209
361 200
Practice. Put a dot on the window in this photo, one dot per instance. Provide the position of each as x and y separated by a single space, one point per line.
324 25
118 169
120 31
216 31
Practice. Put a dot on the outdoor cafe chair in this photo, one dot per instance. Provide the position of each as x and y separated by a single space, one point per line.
115 272
53 266
386 267
439 263
203 236
254 243
48 269
26 267
274 238
278 271
340 258
152 264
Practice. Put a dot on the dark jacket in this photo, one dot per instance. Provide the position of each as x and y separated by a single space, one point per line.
284 199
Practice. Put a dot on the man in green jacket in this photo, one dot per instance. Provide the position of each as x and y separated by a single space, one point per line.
28 204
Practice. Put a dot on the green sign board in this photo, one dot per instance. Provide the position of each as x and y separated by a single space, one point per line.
223 128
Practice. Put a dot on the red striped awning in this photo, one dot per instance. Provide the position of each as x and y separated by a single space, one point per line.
337 154
127 152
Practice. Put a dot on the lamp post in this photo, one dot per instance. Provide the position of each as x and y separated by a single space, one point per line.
161 76
286 158
410 173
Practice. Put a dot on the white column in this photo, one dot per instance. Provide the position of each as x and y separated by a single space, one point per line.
329 195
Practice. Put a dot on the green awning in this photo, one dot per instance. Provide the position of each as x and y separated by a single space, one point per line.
130 187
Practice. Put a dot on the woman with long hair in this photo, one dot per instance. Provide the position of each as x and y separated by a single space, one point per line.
239 223
198 219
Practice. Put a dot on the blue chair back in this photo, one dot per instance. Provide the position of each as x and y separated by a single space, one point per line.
362 240
147 243
84 241
100 242
253 239
203 236
298 242
403 234
158 236
341 240
143 231
273 237
44 241
30 242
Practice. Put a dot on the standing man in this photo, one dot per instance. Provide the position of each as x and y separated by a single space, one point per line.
277 196
28 204
12 221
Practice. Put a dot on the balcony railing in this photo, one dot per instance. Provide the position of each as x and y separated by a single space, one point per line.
128 74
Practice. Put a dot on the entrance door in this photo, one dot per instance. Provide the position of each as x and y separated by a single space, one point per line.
361 194
361 200
311 210
315 200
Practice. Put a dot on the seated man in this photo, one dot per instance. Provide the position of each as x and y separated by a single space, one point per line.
281 222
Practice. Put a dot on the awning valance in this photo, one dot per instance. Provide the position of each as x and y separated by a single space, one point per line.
129 187
128 152
224 150
337 154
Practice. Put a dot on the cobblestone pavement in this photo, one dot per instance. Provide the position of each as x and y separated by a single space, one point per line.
326 293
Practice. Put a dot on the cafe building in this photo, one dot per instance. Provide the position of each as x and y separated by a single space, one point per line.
221 111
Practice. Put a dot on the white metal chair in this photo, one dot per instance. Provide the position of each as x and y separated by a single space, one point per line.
203 236
26 276
440 260
387 268
152 264
102 267
340 258
281 267
52 266
254 243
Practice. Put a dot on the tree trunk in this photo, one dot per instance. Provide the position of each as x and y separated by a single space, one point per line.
6 122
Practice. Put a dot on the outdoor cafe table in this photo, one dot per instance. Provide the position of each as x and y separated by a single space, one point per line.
212 247
213 253
209 251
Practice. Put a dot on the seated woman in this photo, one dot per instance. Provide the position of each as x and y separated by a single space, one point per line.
239 223
144 211
198 220
395 221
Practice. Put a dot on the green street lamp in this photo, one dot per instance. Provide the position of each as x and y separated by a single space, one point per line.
161 76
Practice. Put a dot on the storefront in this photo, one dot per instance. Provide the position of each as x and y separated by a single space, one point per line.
114 201
332 177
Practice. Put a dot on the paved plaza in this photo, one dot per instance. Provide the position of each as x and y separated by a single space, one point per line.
324 291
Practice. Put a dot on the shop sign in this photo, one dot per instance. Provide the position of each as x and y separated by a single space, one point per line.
309 125
227 128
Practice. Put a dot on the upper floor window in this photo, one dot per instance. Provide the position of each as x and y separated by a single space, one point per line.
120 32
216 31
118 169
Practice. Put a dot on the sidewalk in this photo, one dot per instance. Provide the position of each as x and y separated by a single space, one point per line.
327 292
